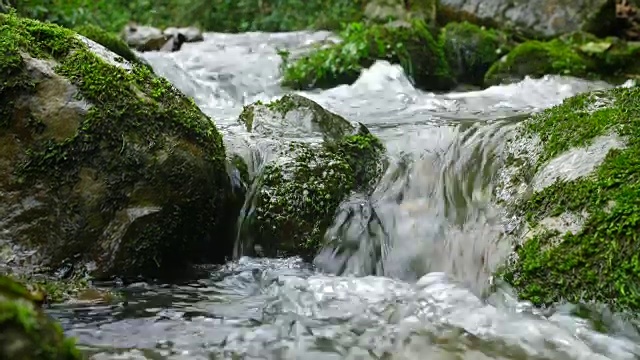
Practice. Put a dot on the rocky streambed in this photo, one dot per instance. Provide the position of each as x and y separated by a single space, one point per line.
371 219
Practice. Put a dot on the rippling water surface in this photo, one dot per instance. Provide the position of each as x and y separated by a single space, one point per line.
407 275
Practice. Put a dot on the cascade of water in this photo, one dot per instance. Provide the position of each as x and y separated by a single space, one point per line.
421 246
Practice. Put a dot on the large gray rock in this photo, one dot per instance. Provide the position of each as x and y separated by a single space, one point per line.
545 18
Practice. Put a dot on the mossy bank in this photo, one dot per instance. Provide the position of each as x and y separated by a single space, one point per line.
301 186
27 332
110 169
580 55
580 237
410 45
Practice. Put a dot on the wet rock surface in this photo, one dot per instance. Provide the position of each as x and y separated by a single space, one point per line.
318 159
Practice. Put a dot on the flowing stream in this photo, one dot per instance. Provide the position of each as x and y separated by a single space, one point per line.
409 277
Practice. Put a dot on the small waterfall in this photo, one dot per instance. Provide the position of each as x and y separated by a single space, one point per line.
432 211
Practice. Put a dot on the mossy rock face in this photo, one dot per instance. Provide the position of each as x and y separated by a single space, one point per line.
110 41
578 237
470 50
409 44
299 190
578 55
107 164
27 332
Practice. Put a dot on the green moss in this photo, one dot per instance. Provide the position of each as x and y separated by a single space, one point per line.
298 193
363 152
578 55
110 41
297 199
470 50
601 262
413 47
27 333
537 58
140 132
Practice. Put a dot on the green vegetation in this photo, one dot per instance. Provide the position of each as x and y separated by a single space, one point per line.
579 55
412 46
141 145
601 262
470 50
27 333
216 15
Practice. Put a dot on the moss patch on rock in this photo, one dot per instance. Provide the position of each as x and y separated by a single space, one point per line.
470 50
578 55
601 261
110 41
410 45
298 193
129 174
27 333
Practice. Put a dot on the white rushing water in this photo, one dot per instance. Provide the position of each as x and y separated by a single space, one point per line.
413 286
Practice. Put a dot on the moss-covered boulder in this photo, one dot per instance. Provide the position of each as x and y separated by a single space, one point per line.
104 164
409 44
470 50
26 332
578 55
574 184
319 159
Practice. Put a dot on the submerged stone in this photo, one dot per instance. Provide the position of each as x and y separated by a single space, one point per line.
107 164
299 190
578 239
27 332
409 44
